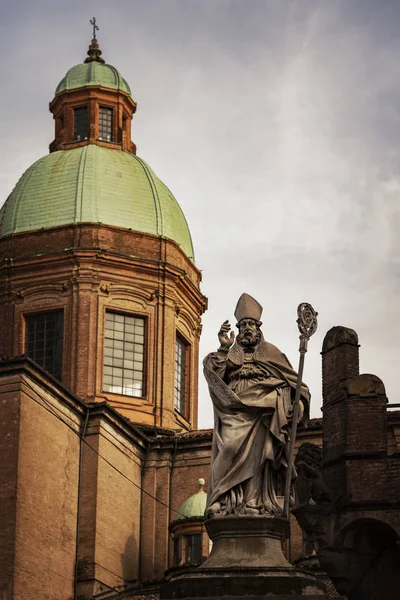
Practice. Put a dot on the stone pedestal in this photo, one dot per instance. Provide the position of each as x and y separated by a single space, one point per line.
246 562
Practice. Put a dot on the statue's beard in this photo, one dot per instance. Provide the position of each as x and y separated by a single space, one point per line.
249 339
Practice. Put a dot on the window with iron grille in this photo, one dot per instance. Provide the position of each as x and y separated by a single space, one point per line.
81 123
124 348
105 123
181 351
44 340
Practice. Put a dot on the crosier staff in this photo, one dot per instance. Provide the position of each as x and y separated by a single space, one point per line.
307 324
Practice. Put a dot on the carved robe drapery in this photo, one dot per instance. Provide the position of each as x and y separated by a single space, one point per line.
252 395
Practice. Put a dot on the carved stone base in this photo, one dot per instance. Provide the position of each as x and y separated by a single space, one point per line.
246 561
246 542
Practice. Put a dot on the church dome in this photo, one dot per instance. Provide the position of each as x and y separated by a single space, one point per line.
94 184
93 73
194 506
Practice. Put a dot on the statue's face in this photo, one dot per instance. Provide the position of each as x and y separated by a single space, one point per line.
249 333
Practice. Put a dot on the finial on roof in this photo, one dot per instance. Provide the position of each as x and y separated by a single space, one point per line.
201 483
95 28
94 52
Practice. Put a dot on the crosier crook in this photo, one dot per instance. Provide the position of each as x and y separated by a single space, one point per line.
307 324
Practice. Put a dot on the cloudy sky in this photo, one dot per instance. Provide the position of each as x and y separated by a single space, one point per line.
275 123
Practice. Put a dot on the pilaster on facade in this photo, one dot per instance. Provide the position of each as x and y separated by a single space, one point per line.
113 458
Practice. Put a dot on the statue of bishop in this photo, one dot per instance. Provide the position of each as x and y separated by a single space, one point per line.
252 386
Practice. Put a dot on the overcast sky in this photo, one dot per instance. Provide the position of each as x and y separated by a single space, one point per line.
275 123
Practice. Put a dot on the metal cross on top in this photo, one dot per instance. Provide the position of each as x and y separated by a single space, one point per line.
93 22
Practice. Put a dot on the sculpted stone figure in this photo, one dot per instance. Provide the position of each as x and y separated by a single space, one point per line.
252 386
310 484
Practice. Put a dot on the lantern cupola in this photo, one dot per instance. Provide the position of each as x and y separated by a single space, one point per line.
93 105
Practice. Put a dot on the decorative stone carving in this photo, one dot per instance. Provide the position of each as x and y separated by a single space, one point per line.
310 485
154 295
18 294
313 499
197 330
252 385
105 288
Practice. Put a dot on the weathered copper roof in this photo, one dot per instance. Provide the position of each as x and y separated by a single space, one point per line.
93 184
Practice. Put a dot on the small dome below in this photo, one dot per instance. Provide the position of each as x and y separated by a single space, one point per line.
195 506
93 73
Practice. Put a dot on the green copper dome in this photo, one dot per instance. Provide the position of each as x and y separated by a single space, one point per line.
93 184
194 506
93 73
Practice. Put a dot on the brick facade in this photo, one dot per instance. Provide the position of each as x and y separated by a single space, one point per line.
41 484
86 270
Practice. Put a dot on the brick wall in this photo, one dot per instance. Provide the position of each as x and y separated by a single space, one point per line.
110 504
107 268
366 427
39 555
9 441
340 362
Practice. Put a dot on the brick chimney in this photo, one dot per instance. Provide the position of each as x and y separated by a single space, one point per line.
354 407
340 363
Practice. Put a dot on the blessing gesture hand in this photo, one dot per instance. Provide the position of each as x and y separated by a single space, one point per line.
226 340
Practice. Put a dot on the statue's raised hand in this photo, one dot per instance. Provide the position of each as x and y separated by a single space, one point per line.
226 340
